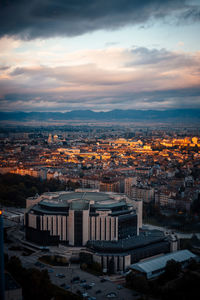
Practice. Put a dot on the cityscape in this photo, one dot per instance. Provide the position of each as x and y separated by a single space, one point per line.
88 203
99 150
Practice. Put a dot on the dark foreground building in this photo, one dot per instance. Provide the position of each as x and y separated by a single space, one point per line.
127 251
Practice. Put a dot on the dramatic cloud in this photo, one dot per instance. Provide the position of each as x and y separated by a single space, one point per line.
104 79
45 63
48 18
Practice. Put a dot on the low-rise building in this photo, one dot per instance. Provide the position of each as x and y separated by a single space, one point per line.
152 268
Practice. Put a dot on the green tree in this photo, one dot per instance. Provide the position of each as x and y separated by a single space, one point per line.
137 282
86 258
172 269
96 267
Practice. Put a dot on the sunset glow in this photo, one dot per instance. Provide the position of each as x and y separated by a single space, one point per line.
136 57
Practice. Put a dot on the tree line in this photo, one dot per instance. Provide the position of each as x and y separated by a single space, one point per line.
16 188
35 284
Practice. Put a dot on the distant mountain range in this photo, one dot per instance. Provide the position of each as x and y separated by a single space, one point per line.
120 115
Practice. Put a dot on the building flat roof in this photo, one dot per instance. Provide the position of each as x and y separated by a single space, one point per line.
65 199
129 243
79 205
95 196
114 203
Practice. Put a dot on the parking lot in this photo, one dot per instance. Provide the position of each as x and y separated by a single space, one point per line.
91 286
88 285
98 288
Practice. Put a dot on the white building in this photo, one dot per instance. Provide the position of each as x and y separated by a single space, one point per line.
76 217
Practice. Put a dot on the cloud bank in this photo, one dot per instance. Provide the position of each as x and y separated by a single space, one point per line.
40 74
104 79
49 18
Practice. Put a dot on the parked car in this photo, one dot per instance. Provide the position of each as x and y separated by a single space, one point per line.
83 284
67 286
111 295
50 271
75 279
62 285
91 284
87 287
39 264
60 275
85 295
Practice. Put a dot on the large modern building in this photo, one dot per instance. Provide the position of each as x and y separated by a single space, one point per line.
126 251
74 218
107 226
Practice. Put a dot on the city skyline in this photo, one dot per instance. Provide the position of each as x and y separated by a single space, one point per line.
99 56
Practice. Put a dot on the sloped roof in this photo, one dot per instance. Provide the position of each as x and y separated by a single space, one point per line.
160 262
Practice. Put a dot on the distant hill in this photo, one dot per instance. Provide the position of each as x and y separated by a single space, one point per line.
120 115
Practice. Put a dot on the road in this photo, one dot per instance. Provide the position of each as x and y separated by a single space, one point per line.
29 261
165 229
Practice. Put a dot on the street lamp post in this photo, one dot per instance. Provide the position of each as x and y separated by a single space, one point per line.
2 277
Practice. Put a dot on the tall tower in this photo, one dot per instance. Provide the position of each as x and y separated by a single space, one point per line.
55 138
49 139
2 278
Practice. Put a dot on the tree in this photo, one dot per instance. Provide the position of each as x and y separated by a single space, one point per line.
71 186
96 267
193 265
86 258
16 188
137 282
84 266
172 269
35 283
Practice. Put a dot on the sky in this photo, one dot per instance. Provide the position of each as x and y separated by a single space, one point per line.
99 54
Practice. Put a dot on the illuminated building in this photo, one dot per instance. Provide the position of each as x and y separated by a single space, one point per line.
49 139
74 218
55 138
105 226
